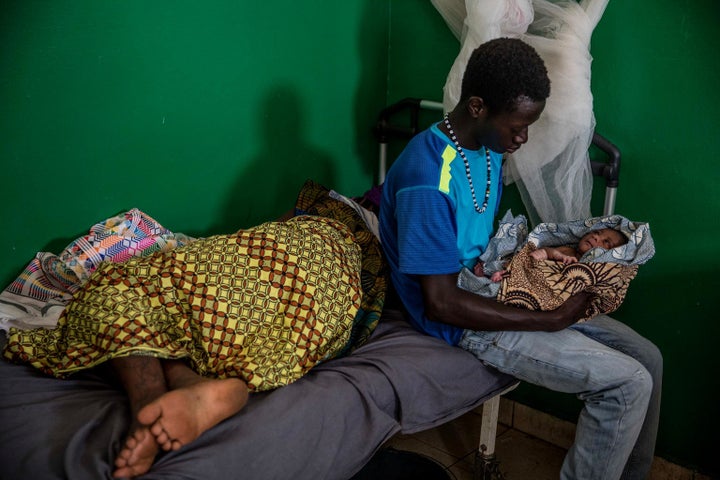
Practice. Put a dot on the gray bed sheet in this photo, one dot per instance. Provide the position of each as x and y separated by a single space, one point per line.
326 425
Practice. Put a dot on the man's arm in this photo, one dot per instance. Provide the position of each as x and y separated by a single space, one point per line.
445 302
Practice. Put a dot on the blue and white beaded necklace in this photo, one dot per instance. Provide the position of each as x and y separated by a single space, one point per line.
467 168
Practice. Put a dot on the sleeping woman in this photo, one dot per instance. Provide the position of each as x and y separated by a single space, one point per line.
191 331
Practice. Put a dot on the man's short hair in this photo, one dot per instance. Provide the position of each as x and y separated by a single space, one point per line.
502 70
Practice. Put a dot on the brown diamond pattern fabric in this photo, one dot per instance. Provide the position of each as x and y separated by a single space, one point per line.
265 304
314 199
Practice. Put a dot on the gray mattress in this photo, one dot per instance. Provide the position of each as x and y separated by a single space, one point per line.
327 425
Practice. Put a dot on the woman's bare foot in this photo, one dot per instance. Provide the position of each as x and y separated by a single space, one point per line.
180 416
169 419
138 454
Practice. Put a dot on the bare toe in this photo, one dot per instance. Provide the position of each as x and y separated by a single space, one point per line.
137 455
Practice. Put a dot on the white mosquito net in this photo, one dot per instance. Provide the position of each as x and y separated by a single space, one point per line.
552 170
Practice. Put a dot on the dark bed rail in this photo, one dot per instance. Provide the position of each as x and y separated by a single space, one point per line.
609 170
385 130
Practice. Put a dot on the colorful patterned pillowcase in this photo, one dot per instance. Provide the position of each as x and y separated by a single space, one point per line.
117 239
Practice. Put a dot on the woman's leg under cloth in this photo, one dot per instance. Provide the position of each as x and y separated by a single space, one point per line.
143 379
619 336
614 387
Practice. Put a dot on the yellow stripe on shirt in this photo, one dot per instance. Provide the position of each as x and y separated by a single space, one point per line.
448 156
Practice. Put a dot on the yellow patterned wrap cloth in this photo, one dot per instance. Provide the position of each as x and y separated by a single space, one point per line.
265 304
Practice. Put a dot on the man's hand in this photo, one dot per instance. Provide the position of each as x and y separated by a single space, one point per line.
573 309
445 302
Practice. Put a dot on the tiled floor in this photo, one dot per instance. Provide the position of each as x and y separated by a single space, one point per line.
521 455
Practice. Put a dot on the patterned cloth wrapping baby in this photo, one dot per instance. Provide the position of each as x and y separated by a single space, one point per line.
546 284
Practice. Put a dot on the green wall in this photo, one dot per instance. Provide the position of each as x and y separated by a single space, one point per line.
655 79
206 115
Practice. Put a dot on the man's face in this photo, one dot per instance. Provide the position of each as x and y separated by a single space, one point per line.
506 131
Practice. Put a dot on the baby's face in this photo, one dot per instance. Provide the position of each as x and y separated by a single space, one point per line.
606 238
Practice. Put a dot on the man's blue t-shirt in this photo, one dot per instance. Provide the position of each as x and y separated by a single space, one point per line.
428 223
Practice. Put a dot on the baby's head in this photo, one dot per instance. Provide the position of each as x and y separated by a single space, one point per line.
606 238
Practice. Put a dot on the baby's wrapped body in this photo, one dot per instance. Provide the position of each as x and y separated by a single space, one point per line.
604 238
607 252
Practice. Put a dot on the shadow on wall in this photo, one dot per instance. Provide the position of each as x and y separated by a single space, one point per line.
371 94
269 185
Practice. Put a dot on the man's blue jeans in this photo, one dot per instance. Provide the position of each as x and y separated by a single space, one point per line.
619 336
596 361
